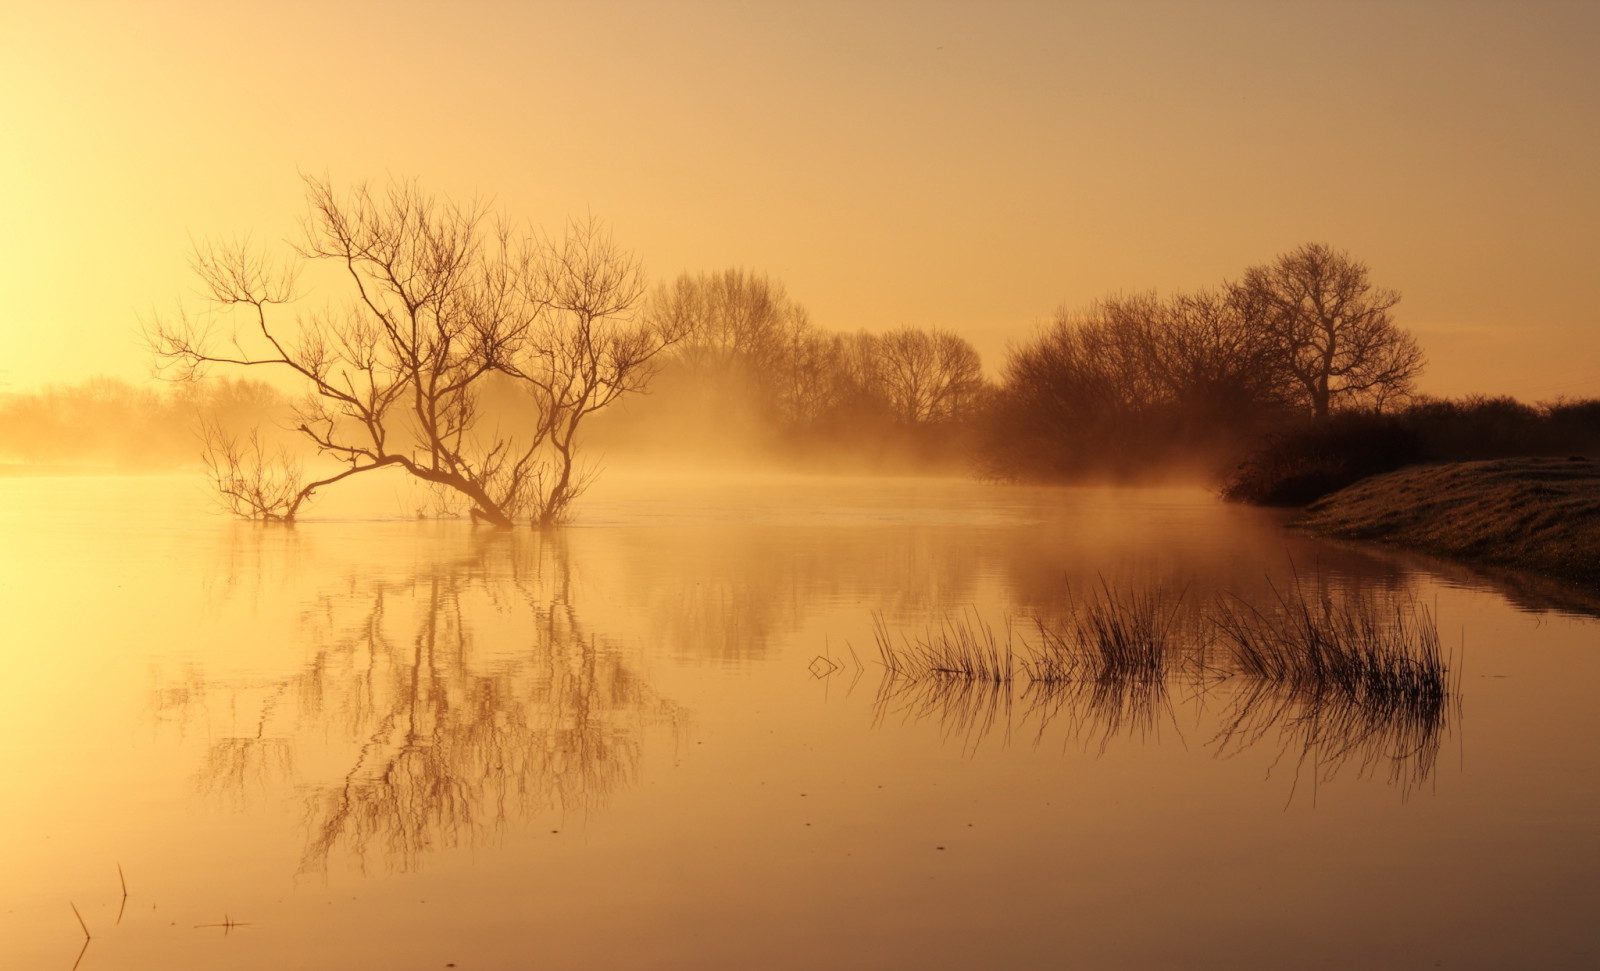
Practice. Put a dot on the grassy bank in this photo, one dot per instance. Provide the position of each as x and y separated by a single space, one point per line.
1536 514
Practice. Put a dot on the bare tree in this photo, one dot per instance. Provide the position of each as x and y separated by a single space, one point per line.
250 481
445 301
1335 338
732 316
929 376
1204 357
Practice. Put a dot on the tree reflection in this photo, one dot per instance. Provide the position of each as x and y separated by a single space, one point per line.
458 699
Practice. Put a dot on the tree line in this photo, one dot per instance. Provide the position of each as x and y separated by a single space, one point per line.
106 423
1131 386
483 356
1145 383
753 376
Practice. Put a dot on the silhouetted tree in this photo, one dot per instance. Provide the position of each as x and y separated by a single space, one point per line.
1135 383
928 376
732 315
1334 335
1211 362
443 300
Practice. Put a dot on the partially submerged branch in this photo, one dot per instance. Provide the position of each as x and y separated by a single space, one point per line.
251 481
447 301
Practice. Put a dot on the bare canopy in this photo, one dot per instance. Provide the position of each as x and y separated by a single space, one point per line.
468 351
1335 338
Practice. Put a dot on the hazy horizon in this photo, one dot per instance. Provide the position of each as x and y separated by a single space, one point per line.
928 165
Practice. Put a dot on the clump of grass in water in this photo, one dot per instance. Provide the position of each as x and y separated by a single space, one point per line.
1336 679
962 648
959 673
1108 665
1341 678
1347 645
1117 637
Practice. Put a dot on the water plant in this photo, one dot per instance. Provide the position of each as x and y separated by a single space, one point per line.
1339 677
1116 636
1335 675
1376 653
963 648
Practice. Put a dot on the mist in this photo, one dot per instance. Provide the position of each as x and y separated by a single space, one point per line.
109 425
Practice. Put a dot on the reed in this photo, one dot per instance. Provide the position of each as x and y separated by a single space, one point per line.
963 647
1118 636
1335 676
86 934
1350 645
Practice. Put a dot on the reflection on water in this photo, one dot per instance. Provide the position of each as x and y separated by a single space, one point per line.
466 696
1328 674
1328 730
375 703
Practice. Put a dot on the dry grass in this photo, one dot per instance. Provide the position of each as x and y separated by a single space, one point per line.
1338 677
1536 514
1347 644
1335 676
962 648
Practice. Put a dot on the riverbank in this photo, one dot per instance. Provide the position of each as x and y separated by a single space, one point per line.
1541 515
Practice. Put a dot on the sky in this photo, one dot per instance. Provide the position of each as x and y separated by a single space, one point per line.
973 166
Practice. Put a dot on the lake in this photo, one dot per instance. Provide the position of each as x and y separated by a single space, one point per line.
663 737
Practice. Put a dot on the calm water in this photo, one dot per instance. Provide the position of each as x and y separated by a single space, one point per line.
660 739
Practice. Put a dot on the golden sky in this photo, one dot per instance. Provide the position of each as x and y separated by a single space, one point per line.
968 165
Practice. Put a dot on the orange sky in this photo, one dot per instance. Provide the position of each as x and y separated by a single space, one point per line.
962 165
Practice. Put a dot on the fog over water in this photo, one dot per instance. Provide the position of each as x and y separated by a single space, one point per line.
663 737
742 490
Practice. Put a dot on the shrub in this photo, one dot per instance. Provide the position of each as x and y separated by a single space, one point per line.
1308 461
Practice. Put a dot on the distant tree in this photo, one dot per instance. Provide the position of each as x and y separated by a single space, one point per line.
444 300
731 316
1067 400
743 348
1135 383
1204 358
928 376
1333 334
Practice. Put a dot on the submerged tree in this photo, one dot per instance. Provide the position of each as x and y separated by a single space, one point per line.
1334 335
447 303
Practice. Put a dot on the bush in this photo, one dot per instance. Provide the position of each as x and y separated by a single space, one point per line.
1303 463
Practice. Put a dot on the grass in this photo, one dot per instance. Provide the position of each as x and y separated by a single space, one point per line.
1541 515
1106 669
1347 644
962 648
1114 636
1337 675
1117 636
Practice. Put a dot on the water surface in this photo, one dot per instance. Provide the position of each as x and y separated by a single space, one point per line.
661 738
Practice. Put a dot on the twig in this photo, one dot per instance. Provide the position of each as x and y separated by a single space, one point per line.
86 935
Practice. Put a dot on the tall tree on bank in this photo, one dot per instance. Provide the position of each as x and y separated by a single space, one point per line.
1334 336
444 301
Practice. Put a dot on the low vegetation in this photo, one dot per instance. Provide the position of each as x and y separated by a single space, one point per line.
1350 646
1337 675
1305 461
1536 514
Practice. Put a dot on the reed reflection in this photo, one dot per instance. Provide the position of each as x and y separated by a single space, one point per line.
1335 676
459 699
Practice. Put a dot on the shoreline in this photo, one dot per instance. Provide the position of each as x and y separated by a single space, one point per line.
1538 515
